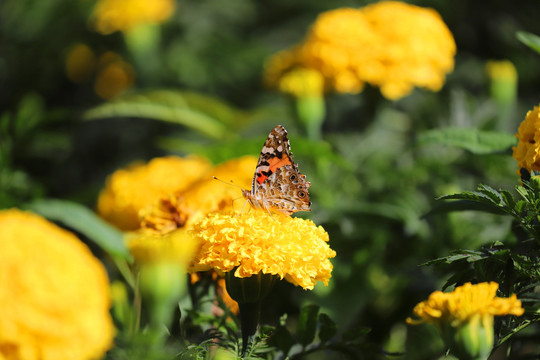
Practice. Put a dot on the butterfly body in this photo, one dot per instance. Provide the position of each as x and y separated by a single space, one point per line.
277 184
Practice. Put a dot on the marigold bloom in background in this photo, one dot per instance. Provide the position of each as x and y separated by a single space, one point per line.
80 63
389 44
527 151
55 294
465 317
123 15
129 190
203 196
114 76
255 242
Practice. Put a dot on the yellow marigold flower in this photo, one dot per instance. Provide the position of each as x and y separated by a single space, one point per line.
177 247
527 152
389 44
54 295
202 197
291 248
114 15
464 317
465 302
80 63
129 190
502 69
114 76
302 82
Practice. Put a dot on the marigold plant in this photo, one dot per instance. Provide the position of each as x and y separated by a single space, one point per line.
464 303
464 317
129 190
391 45
122 15
527 151
295 249
54 296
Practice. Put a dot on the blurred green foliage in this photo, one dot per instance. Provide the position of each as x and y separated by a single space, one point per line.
376 174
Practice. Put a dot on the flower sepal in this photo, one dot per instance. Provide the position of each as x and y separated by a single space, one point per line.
249 292
470 340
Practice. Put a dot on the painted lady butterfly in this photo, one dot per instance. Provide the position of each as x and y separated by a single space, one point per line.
277 183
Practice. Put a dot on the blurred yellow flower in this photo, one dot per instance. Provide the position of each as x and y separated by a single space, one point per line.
389 44
129 190
527 151
114 76
80 63
464 317
54 296
302 82
175 247
123 15
464 303
254 242
501 69
203 196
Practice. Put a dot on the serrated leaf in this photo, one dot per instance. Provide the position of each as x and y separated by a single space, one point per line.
85 221
473 140
464 205
531 40
208 115
491 193
508 199
327 327
307 324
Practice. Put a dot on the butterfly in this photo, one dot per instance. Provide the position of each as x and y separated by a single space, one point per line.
277 184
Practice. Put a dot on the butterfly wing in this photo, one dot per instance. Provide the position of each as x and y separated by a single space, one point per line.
277 183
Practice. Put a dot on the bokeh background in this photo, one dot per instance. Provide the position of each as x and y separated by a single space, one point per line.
192 83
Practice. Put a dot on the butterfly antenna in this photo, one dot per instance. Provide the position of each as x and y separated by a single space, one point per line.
229 183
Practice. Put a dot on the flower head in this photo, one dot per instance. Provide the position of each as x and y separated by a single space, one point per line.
177 247
254 242
55 295
129 190
464 317
389 44
114 15
114 75
80 63
527 152
205 195
465 302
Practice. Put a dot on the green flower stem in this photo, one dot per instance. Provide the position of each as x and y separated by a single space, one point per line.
249 292
310 111
249 321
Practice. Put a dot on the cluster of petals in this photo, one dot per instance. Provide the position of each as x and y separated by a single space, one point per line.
465 303
54 294
389 44
292 248
527 151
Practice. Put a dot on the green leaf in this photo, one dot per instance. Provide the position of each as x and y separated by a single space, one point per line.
307 324
473 140
531 40
209 116
465 205
327 327
84 221
283 339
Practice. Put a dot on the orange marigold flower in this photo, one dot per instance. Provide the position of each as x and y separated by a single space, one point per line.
255 242
55 294
527 151
389 44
